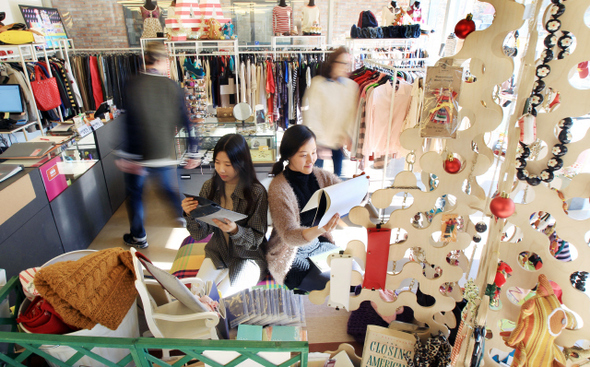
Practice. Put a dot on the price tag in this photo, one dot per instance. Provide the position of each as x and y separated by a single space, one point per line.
96 123
84 130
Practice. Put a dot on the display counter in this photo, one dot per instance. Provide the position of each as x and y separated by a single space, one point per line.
28 233
60 202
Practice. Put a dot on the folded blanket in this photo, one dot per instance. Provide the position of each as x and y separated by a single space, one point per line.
98 288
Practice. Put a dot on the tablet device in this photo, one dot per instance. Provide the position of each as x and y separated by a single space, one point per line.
209 210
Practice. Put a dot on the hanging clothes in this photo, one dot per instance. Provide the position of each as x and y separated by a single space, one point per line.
373 123
109 79
270 90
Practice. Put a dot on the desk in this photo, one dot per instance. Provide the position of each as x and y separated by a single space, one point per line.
23 129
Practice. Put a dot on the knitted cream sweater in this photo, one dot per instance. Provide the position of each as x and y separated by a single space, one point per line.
331 110
287 232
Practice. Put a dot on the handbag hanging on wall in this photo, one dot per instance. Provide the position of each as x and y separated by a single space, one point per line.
45 91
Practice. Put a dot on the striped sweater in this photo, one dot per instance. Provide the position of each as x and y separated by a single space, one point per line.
281 19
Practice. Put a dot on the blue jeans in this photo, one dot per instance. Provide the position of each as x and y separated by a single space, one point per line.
337 157
134 184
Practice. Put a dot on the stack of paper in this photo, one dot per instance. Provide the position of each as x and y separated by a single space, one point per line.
9 170
62 129
265 307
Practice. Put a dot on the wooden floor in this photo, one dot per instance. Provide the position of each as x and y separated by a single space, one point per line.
326 327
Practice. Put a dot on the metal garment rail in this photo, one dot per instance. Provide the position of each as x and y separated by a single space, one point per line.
138 347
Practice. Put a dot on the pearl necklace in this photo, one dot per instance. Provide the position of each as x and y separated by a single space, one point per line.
536 99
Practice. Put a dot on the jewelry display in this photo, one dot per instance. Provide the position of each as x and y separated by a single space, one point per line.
553 25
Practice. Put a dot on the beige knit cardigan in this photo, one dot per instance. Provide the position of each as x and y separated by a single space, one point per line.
287 232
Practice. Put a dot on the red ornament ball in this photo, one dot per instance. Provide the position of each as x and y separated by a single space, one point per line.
502 206
465 26
452 165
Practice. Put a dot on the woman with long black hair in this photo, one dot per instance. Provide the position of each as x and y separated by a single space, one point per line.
235 254
294 239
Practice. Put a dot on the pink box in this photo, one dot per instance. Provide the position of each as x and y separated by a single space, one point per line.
54 181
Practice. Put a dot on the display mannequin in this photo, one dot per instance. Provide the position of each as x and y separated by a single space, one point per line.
415 12
389 14
310 19
149 5
150 12
281 19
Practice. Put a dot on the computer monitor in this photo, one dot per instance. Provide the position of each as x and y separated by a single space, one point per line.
10 99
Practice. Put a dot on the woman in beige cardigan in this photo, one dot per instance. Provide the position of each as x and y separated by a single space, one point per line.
293 239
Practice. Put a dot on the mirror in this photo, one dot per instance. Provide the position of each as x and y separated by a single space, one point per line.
242 111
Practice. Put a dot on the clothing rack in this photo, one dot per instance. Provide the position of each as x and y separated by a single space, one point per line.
278 48
286 52
68 48
29 53
220 47
126 50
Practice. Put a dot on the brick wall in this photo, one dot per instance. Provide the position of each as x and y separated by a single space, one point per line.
94 23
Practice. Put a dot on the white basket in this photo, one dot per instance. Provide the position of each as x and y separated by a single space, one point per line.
129 328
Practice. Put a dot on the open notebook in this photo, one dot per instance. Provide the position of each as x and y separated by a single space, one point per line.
338 198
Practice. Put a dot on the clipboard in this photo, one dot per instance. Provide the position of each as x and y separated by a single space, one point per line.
209 210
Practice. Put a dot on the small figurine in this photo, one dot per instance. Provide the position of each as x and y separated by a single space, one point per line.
541 320
228 31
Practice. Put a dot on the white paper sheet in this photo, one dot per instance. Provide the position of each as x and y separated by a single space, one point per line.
208 210
340 197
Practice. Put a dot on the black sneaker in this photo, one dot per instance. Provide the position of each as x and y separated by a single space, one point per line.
133 242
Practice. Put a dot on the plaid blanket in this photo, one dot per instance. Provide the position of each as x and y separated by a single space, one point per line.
189 258
187 263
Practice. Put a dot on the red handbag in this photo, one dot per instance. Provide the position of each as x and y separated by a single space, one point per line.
41 318
45 91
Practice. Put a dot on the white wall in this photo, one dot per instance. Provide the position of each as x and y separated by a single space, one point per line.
12 10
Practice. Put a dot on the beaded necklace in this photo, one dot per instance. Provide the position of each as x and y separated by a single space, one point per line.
559 150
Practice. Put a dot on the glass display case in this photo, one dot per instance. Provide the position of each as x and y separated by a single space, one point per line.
261 139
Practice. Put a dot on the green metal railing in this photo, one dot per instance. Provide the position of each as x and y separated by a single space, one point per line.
190 350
